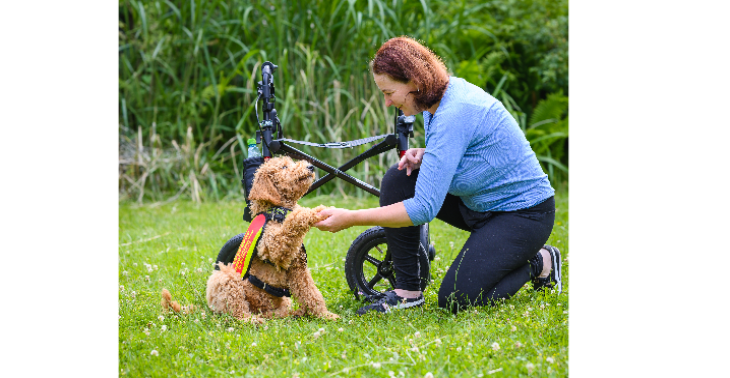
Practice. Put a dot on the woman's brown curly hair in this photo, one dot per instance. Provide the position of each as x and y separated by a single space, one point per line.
404 60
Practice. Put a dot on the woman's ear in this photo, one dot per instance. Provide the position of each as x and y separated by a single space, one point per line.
264 189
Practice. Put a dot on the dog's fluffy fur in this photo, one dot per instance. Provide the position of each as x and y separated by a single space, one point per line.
278 182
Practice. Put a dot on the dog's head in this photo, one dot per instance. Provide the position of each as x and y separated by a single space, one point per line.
282 182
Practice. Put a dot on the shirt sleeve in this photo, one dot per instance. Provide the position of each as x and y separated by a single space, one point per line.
447 140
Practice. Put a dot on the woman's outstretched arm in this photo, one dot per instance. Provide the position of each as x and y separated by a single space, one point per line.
393 216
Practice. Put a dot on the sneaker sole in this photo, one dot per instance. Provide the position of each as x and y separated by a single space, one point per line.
557 265
399 306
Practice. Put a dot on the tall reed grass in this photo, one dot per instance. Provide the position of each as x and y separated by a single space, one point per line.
188 74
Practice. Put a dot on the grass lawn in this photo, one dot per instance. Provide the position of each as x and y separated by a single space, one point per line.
173 246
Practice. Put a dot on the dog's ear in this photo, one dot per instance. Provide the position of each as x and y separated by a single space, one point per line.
264 189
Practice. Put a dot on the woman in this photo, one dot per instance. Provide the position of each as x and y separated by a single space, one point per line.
477 173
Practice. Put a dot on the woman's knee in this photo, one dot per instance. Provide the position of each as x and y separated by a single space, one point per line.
397 186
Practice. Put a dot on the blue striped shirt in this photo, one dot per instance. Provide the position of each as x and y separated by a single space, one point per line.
475 150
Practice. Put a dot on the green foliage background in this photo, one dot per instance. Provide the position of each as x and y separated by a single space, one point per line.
188 73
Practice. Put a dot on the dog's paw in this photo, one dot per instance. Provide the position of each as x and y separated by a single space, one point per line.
254 319
330 316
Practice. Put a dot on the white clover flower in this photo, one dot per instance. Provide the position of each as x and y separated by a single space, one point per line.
530 367
253 344
183 264
163 328
376 365
321 330
518 345
182 272
161 318
134 294
550 360
513 329
458 349
391 373
210 259
154 353
451 244
121 287
438 341
512 307
266 328
414 349
155 266
437 258
495 346
429 374
125 273
469 345
134 264
340 329
565 312
146 331
281 343
417 334
196 321
230 329
316 334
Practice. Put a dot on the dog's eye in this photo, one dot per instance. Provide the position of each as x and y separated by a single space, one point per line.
284 167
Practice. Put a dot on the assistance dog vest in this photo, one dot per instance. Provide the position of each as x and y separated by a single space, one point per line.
247 248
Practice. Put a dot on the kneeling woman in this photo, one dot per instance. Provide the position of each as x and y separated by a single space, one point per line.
477 173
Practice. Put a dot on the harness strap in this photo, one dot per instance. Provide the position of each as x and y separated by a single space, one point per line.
275 291
350 144
277 213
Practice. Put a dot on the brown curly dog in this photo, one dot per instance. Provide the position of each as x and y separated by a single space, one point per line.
280 261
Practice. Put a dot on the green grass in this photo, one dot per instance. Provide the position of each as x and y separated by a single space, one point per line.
180 239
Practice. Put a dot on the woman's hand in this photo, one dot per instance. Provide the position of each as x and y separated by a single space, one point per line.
411 160
336 220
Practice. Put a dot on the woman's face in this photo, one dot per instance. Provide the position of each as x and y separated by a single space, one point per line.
397 94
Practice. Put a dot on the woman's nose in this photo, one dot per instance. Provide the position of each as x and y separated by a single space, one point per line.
388 102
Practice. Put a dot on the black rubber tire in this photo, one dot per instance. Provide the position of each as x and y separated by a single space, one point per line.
379 275
228 252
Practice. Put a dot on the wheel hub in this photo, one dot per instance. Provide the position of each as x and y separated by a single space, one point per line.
385 269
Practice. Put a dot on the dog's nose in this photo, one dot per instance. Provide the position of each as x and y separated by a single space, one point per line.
310 167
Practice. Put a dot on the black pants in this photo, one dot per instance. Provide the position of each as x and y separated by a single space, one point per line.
495 261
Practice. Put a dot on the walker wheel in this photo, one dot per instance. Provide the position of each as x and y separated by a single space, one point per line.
369 265
229 250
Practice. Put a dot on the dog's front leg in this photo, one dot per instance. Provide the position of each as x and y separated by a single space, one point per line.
289 237
310 300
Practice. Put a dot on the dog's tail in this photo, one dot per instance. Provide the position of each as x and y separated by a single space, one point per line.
169 304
